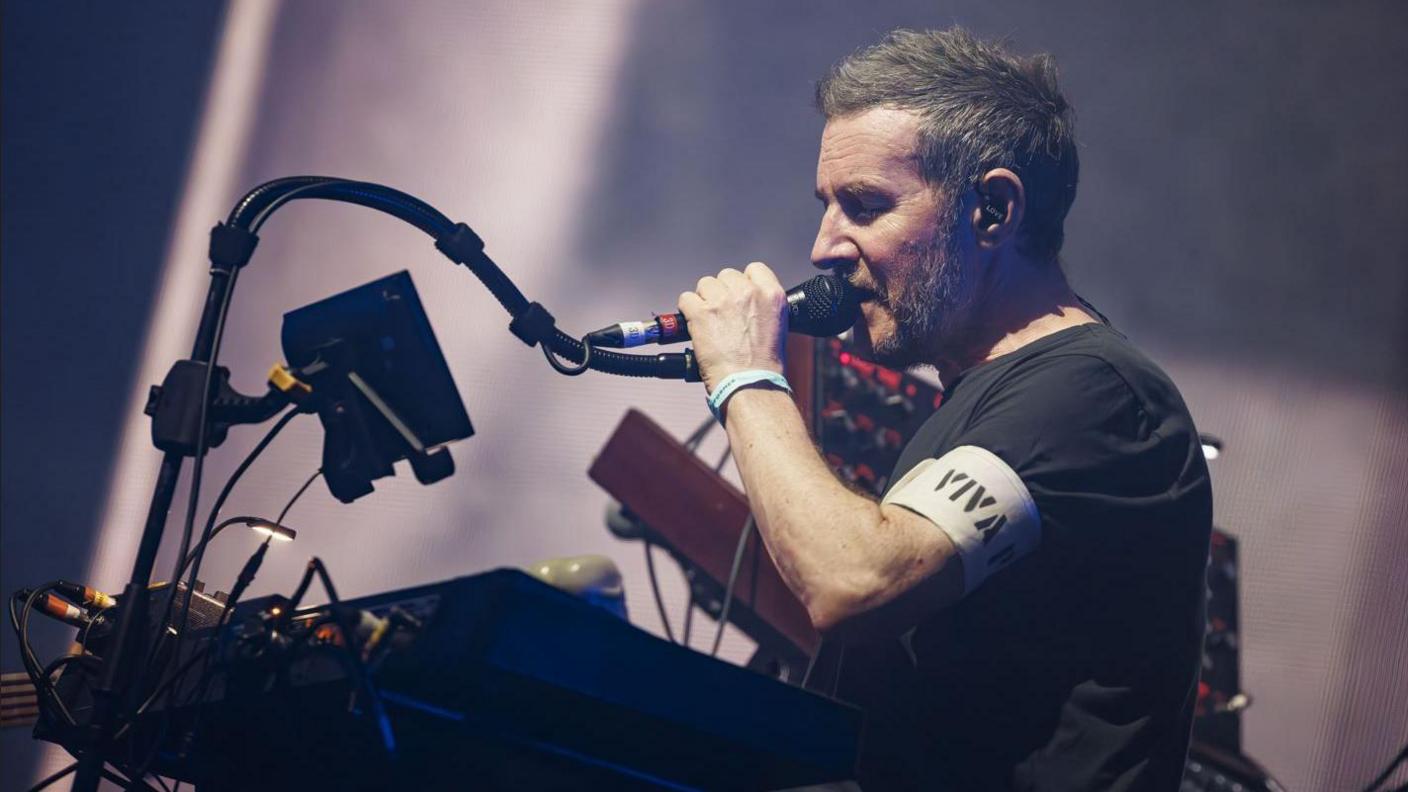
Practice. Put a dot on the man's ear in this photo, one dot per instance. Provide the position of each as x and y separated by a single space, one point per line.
1002 201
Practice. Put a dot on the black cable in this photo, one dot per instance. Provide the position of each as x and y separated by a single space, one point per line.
349 640
60 662
743 537
348 655
571 371
664 366
127 783
31 663
209 533
688 619
210 655
83 636
243 519
142 769
202 438
691 444
695 438
284 512
43 686
21 627
394 202
171 679
241 584
156 694
256 207
655 589
1105 320
259 197
196 556
251 566
108 774
202 426
1388 771
811 666
459 243
176 676
315 567
723 459
51 778
248 519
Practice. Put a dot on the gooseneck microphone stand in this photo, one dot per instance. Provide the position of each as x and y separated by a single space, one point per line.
194 407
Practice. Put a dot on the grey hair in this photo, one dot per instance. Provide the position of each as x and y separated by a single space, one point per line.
981 107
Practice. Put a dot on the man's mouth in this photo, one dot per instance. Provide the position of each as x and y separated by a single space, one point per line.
863 294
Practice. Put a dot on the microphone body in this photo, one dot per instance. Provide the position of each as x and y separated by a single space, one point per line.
823 306
56 607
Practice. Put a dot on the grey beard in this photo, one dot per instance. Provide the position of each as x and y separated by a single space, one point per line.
928 308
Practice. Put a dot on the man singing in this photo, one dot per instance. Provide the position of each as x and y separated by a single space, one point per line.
1024 608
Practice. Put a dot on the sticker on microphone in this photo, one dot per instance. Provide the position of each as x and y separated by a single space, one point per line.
635 333
979 502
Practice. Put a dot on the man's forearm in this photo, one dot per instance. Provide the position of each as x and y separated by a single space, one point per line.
820 534
856 565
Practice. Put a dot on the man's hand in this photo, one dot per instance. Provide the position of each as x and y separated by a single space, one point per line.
860 568
737 322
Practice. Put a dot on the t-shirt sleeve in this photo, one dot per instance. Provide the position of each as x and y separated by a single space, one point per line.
1071 431
1107 470
979 502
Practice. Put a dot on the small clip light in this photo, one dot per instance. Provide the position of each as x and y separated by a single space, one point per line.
1212 446
273 530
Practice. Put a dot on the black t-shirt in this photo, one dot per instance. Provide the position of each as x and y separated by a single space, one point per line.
1075 668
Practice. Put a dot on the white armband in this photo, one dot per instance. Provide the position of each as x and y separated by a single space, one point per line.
979 502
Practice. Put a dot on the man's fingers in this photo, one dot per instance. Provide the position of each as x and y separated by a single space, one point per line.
717 288
711 289
762 275
733 278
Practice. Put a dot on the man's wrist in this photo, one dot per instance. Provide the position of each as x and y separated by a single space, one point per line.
750 378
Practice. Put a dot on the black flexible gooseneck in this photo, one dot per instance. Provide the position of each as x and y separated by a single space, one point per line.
183 427
531 323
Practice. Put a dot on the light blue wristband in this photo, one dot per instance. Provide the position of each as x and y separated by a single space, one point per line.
742 379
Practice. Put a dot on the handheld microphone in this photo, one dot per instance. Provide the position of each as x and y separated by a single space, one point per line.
823 306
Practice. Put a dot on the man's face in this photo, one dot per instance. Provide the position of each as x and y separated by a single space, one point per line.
892 236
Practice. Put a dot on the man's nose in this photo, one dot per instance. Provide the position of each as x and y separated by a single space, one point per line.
832 247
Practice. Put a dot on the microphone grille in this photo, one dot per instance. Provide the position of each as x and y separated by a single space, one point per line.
828 306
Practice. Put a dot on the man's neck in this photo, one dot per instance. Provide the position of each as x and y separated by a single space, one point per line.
1022 303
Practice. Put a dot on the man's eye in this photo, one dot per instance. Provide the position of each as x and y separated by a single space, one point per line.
863 211
867 213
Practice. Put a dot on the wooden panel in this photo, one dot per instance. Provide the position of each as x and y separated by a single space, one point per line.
699 514
19 703
800 370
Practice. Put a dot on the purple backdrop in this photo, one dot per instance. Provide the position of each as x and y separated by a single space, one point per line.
1240 217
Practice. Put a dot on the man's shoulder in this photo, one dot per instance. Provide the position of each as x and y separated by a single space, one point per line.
1083 399
1090 348
1082 396
1077 366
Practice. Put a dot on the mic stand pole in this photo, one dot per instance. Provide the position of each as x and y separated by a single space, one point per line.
115 694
